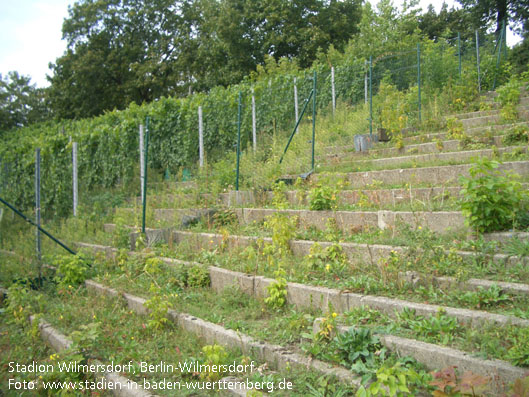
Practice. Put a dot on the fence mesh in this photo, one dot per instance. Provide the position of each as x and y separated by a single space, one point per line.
108 145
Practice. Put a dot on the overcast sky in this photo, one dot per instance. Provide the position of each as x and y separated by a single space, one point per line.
31 35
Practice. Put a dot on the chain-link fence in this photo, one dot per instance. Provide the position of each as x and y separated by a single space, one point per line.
108 145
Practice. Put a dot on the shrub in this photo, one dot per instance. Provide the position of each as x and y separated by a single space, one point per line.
323 198
492 201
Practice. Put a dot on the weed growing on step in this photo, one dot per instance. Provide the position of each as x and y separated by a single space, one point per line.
517 247
518 354
277 291
493 201
440 328
72 270
18 304
455 128
323 197
485 297
393 380
158 306
516 135
279 200
283 229
508 97
215 356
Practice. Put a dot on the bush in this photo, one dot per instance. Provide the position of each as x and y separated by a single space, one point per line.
323 198
492 201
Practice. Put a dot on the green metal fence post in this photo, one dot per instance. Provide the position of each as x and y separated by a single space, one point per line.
477 60
371 97
459 51
419 78
37 210
145 157
238 141
498 58
314 116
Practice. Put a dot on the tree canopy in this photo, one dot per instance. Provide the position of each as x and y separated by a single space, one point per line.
486 12
21 103
123 51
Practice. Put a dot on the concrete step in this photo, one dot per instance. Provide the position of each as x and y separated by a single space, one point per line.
412 149
305 296
437 175
277 357
434 357
357 253
376 197
524 101
455 156
523 114
347 221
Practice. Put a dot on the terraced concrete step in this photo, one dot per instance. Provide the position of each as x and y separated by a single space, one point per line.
346 197
421 148
308 296
457 156
275 356
437 175
123 387
523 103
304 296
424 137
347 221
505 237
356 253
434 357
523 114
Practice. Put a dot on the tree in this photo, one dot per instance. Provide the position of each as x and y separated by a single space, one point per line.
123 51
447 23
119 51
485 12
21 103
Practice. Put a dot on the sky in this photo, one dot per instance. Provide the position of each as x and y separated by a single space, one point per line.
30 32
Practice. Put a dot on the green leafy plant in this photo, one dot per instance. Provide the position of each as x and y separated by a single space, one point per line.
516 246
279 200
482 297
277 291
517 134
198 276
327 327
492 201
152 265
225 217
323 198
85 338
439 328
509 96
72 270
121 233
330 259
283 229
215 357
390 381
18 303
455 128
359 350
518 354
158 306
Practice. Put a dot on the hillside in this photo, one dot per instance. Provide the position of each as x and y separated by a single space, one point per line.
378 248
